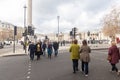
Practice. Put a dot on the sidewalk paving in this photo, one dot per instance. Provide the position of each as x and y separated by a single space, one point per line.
20 52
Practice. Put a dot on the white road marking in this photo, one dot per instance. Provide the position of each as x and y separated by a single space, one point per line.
29 72
29 69
28 77
29 66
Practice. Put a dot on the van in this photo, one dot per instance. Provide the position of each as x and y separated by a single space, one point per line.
7 42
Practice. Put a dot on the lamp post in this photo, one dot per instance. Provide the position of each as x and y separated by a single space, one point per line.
58 27
25 29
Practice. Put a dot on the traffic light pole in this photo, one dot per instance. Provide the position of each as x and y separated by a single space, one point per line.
58 27
15 33
25 29
74 33
14 45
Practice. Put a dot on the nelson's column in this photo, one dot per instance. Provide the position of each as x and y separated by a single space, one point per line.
29 17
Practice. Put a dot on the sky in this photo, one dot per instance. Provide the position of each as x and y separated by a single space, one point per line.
85 15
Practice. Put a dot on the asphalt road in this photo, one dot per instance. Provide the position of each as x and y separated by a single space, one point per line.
13 68
58 68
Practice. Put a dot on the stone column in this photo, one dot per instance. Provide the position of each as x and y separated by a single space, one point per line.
29 13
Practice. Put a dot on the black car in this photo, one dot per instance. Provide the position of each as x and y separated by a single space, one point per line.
1 45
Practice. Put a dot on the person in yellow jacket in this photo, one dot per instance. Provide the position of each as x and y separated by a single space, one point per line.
74 50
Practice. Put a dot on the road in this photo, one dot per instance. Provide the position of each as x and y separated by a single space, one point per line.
58 68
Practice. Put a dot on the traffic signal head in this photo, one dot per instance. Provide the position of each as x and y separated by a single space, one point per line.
88 33
30 30
75 29
15 30
71 33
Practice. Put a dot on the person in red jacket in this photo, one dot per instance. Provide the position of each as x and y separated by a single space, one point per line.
114 57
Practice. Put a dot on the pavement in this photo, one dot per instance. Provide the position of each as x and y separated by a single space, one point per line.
20 52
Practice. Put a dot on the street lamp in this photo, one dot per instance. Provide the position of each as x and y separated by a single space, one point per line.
58 26
25 29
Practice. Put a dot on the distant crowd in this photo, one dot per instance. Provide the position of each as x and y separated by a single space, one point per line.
43 48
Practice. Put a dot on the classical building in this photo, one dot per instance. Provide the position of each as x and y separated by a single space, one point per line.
7 31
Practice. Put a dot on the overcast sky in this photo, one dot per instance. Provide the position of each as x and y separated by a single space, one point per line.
83 14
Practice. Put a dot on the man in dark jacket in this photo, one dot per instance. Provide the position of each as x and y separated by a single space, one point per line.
55 46
31 49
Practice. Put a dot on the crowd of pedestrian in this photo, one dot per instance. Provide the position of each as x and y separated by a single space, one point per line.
83 53
43 49
77 53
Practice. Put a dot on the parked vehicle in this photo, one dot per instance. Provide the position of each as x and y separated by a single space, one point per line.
7 42
1 45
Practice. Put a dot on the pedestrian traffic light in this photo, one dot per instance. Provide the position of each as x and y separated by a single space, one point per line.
71 33
29 30
74 30
15 30
32 33
88 33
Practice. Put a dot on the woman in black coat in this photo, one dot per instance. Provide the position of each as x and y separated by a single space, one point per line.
38 50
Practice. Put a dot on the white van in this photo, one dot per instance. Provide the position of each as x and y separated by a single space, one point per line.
7 42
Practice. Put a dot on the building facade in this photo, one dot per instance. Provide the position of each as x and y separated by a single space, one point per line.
7 31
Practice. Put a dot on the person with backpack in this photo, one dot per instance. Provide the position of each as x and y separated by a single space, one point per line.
50 50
